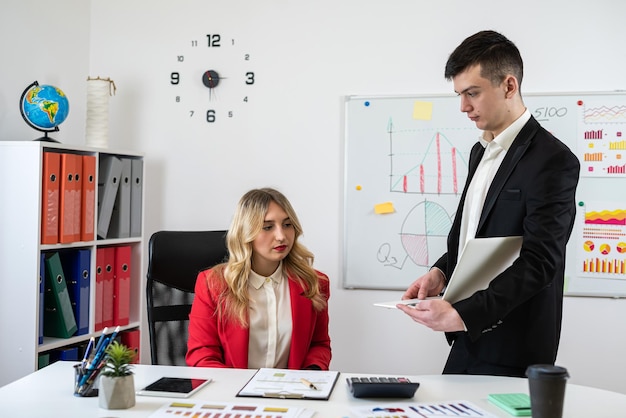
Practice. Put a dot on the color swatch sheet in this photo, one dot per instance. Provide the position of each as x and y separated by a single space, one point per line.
421 410
209 409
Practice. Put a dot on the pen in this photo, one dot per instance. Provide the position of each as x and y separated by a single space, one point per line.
309 384
115 332
101 339
88 351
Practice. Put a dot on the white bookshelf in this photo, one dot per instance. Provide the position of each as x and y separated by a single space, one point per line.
20 248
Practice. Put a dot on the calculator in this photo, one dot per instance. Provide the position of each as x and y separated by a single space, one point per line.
382 387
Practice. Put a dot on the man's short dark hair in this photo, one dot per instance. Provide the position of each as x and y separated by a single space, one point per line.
496 55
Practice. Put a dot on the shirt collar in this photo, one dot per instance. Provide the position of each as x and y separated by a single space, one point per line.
256 280
506 137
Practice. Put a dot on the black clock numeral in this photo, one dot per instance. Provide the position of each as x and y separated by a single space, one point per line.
230 113
249 78
213 41
175 78
245 99
191 112
210 115
177 99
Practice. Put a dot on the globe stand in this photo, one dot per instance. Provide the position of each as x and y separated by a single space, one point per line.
46 138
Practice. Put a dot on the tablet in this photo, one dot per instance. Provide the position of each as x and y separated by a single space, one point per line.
174 387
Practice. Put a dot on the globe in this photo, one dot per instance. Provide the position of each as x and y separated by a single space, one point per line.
44 107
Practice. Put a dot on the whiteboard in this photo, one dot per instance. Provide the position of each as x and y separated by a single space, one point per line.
406 163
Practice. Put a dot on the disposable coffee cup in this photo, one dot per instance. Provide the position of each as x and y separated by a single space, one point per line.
546 384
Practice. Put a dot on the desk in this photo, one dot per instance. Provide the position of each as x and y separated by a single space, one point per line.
49 393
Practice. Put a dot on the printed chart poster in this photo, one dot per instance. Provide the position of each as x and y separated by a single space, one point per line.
602 140
602 252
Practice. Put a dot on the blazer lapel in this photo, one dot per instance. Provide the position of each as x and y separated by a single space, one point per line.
512 157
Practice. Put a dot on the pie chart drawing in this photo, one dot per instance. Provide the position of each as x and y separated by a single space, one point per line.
425 229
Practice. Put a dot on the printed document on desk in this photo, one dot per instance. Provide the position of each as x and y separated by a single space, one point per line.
292 384
482 260
217 409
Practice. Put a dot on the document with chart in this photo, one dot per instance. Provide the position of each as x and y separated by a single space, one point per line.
290 384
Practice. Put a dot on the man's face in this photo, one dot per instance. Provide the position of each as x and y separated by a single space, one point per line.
484 103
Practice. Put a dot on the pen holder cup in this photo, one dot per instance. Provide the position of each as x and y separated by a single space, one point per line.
85 388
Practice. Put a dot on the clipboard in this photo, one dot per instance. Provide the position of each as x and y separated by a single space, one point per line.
482 260
290 384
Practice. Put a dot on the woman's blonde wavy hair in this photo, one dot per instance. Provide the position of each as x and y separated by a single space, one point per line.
246 225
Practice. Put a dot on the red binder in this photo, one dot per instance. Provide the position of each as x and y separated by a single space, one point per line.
108 287
100 260
121 288
131 339
77 190
66 199
50 198
87 220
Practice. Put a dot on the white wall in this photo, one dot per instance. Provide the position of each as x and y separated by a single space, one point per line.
307 57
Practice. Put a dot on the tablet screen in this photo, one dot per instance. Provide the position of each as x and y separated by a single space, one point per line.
177 387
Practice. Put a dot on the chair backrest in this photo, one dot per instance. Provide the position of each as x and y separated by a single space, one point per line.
174 260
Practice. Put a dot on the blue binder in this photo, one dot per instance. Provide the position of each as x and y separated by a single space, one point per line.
77 269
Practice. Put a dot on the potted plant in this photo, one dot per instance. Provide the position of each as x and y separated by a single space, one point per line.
117 385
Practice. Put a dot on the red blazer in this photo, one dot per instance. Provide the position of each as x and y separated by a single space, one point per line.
214 343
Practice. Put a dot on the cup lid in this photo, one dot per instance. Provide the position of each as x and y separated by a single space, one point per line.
546 371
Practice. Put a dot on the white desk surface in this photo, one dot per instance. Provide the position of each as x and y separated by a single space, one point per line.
49 393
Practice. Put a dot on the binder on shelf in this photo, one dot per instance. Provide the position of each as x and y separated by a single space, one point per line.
59 318
42 288
68 354
131 340
136 196
51 169
119 227
43 360
66 199
108 287
77 268
77 189
108 183
88 214
100 265
121 285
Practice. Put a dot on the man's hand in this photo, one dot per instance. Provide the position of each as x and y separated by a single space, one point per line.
437 315
430 284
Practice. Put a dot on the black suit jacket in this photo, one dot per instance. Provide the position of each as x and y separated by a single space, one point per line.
516 321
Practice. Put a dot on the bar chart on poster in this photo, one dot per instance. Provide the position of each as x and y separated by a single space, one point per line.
406 163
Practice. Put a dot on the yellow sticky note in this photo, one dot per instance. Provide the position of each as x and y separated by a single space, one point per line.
382 208
423 110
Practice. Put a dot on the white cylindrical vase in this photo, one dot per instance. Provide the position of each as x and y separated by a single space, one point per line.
97 128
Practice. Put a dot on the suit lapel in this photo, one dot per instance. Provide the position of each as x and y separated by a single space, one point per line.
511 159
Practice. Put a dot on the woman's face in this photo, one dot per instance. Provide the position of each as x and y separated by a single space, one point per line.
273 242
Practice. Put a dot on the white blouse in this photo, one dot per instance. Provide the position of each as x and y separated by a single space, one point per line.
270 320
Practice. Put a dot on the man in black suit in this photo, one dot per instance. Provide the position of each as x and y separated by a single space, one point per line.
521 181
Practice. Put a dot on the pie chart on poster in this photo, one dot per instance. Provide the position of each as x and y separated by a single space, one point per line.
425 230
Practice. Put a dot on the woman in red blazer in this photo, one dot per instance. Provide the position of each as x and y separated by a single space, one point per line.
266 306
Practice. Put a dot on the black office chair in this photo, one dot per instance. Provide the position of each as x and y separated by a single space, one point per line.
174 260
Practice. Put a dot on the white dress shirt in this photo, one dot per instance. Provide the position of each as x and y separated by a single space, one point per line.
270 320
495 150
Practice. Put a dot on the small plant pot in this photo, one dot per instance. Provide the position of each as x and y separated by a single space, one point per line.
116 392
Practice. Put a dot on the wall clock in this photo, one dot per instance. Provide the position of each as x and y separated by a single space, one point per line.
212 79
